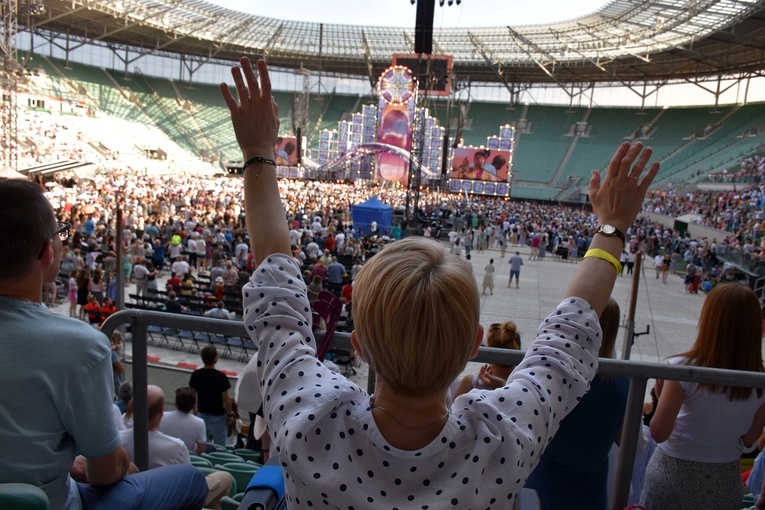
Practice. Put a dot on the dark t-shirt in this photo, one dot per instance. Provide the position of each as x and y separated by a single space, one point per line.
210 385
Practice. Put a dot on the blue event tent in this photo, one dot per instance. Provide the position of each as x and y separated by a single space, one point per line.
363 214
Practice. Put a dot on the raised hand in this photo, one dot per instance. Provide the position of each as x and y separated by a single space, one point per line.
618 198
255 116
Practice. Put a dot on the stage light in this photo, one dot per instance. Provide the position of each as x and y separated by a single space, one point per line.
458 2
451 2
441 2
412 2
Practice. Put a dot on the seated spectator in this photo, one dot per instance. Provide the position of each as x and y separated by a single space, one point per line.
172 305
493 376
573 470
220 288
416 312
92 310
346 294
183 424
174 283
314 288
219 312
107 308
165 450
188 285
124 396
40 437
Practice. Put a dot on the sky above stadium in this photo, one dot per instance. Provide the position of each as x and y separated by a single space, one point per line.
401 13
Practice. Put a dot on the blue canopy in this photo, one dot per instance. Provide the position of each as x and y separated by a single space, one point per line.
363 214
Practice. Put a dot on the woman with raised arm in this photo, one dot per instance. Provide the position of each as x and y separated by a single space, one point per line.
413 302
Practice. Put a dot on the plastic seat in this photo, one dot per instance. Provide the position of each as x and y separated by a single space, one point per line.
528 500
23 496
248 454
241 472
198 461
222 457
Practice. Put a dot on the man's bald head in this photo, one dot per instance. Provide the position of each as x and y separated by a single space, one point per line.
156 400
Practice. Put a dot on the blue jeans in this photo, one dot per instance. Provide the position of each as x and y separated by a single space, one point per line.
179 487
216 427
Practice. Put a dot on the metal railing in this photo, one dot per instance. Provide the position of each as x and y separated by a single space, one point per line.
638 372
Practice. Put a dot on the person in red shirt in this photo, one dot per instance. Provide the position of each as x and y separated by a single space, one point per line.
175 283
91 310
347 293
107 308
329 243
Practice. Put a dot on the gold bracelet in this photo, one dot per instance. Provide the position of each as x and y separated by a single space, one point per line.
604 255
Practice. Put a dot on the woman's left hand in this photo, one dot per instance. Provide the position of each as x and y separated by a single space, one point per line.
255 117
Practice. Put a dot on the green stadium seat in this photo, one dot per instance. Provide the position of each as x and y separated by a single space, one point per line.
22 496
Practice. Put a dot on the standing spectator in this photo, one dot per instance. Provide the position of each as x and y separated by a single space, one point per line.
702 429
71 294
573 471
488 277
230 277
630 262
83 282
141 273
212 390
97 286
335 273
75 375
516 261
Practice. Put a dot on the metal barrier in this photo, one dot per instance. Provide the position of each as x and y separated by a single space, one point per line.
638 372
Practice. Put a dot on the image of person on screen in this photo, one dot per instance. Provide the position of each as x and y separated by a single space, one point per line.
498 163
290 149
480 168
279 152
394 131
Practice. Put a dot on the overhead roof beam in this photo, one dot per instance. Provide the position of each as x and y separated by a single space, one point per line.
491 61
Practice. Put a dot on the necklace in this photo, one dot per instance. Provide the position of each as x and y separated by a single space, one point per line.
372 406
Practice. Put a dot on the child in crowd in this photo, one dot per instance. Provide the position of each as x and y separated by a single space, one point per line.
416 313
493 376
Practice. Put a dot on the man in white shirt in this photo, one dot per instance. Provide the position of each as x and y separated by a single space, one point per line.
180 266
182 423
168 451
219 312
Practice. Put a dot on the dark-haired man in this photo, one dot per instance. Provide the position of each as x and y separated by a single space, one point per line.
214 402
183 424
58 395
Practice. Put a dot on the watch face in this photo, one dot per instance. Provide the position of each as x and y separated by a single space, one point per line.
396 85
608 229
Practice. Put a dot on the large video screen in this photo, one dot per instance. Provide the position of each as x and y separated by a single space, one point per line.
480 164
286 151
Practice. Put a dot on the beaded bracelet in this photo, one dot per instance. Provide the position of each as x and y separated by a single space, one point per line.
253 160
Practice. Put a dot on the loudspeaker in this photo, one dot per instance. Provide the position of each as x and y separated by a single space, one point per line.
423 27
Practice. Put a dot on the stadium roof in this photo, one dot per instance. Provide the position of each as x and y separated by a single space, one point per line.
627 41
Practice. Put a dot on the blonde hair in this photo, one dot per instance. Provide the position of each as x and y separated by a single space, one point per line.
416 312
